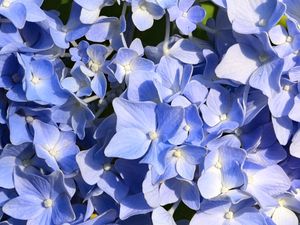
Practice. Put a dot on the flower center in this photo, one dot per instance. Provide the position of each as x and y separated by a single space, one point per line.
177 153
127 68
26 162
35 80
286 87
153 135
289 39
6 3
238 132
223 117
185 14
229 215
53 152
29 119
250 179
262 22
263 58
107 166
143 8
224 190
218 165
48 203
282 202
94 66
187 128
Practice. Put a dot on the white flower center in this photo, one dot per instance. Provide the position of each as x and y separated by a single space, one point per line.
48 203
282 202
53 152
94 66
218 165
6 3
177 153
250 179
224 190
185 14
223 117
153 135
286 87
35 80
228 215
143 8
262 22
107 166
29 119
127 69
289 39
187 128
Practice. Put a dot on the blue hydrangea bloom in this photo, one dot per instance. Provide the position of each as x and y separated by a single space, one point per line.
57 148
144 13
261 15
42 84
44 200
186 15
153 112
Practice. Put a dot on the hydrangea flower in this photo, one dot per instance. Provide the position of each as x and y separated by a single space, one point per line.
144 13
57 148
149 112
186 15
261 15
44 200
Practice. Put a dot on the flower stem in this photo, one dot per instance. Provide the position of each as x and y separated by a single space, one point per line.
91 99
174 207
167 35
122 33
207 29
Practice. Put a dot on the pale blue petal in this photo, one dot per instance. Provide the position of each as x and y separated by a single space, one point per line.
129 143
160 216
31 207
239 62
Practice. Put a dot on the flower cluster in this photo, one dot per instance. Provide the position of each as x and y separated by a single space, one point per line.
97 127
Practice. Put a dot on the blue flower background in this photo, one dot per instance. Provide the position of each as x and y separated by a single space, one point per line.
149 112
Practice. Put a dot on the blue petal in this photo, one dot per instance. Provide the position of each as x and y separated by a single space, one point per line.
112 185
31 207
160 216
168 119
135 115
283 127
16 13
31 185
89 165
267 77
190 195
7 166
99 85
210 183
129 143
142 19
62 211
133 205
239 62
